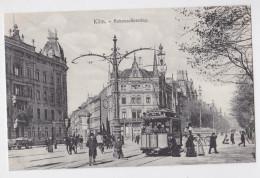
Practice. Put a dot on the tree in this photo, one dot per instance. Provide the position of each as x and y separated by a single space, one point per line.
23 116
218 40
243 104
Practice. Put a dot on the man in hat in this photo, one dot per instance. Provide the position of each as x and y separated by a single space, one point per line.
81 142
243 140
92 145
213 143
118 153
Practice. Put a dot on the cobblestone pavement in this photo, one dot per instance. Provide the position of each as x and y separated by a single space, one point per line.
39 158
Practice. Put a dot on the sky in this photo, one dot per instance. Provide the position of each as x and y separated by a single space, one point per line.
78 35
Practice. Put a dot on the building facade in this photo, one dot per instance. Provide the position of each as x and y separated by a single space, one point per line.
141 91
36 88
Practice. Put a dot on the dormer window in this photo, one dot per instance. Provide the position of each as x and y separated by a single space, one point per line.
135 73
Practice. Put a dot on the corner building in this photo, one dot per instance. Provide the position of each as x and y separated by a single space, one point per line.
36 88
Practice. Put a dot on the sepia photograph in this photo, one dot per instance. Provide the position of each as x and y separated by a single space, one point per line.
129 88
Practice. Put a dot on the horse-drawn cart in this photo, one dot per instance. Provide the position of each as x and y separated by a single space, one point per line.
205 134
19 143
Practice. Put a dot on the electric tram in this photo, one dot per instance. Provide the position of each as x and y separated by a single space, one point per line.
158 126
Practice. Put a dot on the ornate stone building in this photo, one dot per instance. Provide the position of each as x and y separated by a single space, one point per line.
140 90
36 88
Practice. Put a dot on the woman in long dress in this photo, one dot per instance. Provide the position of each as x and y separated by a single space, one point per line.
190 147
200 148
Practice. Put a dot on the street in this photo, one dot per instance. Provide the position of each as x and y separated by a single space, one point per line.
39 158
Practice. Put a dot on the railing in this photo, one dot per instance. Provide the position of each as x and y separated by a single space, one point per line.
17 97
131 120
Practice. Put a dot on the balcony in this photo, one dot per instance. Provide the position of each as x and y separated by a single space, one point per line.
16 98
131 120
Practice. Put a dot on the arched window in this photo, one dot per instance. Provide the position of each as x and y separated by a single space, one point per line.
133 99
148 99
46 132
33 132
60 133
39 133
138 99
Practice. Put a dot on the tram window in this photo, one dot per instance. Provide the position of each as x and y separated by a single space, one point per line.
176 127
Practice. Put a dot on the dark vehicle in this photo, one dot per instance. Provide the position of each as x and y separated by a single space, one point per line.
158 126
19 143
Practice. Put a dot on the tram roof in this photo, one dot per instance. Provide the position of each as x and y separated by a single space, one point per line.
160 118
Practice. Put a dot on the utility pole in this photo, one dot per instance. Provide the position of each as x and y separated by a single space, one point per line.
200 103
212 109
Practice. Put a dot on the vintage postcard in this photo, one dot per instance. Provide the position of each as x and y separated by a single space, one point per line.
127 88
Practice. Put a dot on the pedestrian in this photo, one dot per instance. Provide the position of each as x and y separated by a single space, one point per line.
106 141
163 130
81 142
72 144
118 153
100 142
47 143
213 143
50 145
55 144
91 133
188 129
225 141
243 140
92 145
232 138
174 148
137 139
200 148
155 130
122 139
77 140
190 146
184 140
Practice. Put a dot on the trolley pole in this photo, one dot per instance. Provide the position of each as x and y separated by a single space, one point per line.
117 126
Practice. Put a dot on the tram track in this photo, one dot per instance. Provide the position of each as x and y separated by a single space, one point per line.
150 161
77 163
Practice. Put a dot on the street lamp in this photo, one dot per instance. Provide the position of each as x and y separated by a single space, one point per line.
115 59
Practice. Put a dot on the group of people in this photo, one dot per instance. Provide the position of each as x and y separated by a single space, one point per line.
155 128
232 139
100 141
190 146
49 142
72 142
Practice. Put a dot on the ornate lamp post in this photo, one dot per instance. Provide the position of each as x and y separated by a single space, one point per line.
115 59
88 123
